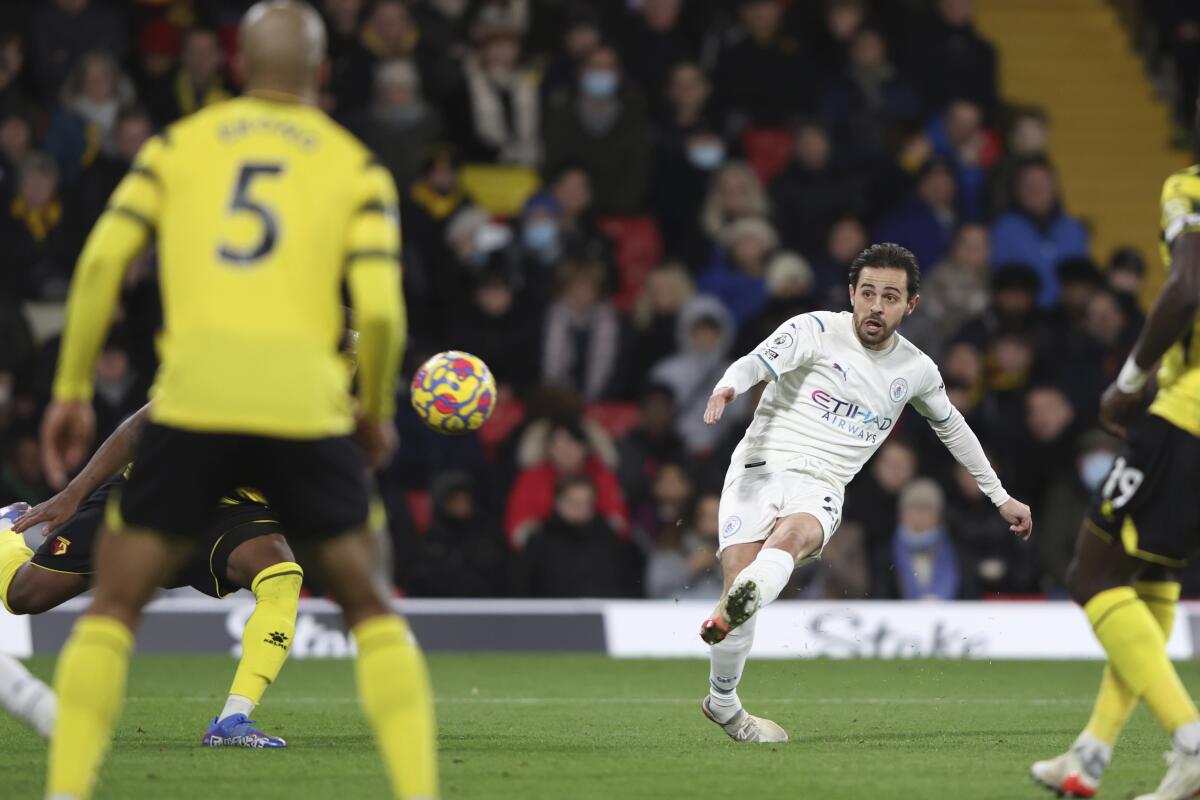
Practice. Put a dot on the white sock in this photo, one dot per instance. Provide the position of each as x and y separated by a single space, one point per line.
771 571
726 661
1095 754
236 704
26 697
1187 738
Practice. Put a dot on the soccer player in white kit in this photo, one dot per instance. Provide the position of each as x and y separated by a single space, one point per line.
836 385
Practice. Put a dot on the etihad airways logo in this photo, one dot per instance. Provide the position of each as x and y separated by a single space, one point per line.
850 417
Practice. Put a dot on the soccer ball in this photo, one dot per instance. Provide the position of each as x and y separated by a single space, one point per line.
454 392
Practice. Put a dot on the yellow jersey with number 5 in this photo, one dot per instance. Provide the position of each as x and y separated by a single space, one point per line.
1178 398
260 210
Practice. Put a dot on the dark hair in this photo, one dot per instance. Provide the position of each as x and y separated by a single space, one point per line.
572 428
565 484
891 256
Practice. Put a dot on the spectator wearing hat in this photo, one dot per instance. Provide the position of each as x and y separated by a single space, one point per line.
399 125
584 336
925 223
1037 231
704 335
497 110
63 30
925 559
736 274
603 128
812 192
564 449
762 77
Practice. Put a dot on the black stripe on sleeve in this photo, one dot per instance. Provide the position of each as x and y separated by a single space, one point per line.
133 215
146 172
379 207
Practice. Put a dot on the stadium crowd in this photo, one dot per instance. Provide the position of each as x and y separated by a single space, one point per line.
609 202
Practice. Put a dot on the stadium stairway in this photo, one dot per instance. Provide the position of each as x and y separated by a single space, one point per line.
1109 134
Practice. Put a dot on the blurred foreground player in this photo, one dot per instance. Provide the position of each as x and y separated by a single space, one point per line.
262 207
1143 524
836 384
242 548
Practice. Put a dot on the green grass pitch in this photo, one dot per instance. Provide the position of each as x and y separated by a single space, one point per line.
589 727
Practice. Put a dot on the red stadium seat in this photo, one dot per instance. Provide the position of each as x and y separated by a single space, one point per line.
638 248
768 150
616 418
420 507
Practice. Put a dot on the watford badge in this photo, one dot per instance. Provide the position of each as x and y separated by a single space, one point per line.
60 545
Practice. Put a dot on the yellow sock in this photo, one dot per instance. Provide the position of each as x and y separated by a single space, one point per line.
1115 702
1137 651
393 687
269 631
90 685
13 553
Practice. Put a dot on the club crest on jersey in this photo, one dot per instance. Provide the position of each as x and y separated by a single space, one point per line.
61 544
732 526
899 390
783 340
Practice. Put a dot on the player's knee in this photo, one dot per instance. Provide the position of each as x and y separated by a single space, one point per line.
801 538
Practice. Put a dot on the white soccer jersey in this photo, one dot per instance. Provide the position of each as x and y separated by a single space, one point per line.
831 402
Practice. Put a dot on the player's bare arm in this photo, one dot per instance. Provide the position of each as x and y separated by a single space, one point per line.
721 397
112 456
1171 317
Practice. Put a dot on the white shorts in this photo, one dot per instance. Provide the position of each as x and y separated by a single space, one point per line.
752 502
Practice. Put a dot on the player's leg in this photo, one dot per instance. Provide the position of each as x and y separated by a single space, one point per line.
320 490
26 697
90 677
265 565
393 682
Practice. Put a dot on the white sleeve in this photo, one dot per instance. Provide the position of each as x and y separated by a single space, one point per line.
794 344
950 426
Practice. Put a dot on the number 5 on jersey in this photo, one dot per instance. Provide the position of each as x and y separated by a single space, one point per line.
266 217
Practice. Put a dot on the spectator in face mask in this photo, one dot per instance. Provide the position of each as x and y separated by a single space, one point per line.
398 126
1067 501
925 559
687 153
541 234
603 127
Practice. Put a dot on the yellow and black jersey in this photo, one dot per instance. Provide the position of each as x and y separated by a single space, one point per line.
260 209
1178 398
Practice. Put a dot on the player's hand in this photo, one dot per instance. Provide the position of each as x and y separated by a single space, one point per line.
378 439
67 431
722 397
1117 408
1018 517
54 512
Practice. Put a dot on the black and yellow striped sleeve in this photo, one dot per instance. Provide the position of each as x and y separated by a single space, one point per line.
372 261
123 230
1180 205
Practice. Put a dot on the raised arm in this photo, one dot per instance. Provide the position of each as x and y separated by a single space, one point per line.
794 345
112 456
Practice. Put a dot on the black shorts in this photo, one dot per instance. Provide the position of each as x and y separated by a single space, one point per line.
317 487
71 548
1149 502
